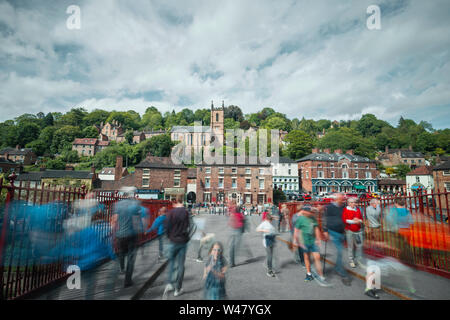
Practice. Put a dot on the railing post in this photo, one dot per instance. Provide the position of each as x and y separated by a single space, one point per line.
9 197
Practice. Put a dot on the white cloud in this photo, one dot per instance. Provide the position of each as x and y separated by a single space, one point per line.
312 59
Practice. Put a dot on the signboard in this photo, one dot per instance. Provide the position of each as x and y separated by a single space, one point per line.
147 191
174 190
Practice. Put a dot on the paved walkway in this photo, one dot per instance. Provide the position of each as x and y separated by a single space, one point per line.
248 280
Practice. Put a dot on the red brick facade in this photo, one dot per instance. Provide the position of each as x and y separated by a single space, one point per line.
234 183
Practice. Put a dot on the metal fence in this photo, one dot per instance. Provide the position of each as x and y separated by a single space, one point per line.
21 273
425 245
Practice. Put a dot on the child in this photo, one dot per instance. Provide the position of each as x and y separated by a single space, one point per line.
158 224
268 241
307 229
214 273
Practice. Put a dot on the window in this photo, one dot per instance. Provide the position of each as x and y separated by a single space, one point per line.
332 175
420 161
290 187
368 175
146 171
417 179
405 161
332 165
233 170
261 183
207 183
413 161
248 171
261 171
289 171
177 173
247 183
319 166
344 175
356 175
307 175
356 166
446 172
367 167
234 183
207 170
145 182
176 182
221 170
344 166
217 117
207 197
220 182
447 186
276 171
319 174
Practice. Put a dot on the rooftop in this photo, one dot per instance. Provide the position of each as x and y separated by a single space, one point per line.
91 141
443 166
192 129
159 162
334 157
54 174
421 171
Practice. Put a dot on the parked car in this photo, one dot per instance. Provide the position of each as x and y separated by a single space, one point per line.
306 197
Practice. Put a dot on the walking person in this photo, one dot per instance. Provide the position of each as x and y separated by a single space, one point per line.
237 224
177 226
127 225
298 251
307 236
373 215
353 231
285 213
214 273
270 233
334 229
159 225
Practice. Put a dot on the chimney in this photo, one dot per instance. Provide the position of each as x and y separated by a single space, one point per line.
42 168
327 151
315 150
119 168
69 168
93 170
338 151
350 151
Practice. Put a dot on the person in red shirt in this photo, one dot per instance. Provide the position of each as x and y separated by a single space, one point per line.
237 224
354 233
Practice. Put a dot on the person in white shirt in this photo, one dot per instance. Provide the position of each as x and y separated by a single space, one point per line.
270 233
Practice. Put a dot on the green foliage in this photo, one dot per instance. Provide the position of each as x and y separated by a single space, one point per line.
401 170
63 138
129 136
38 146
89 132
278 196
56 164
346 139
299 144
234 112
96 117
129 119
75 117
69 156
158 146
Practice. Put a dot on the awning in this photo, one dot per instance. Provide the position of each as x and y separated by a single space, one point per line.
174 191
359 187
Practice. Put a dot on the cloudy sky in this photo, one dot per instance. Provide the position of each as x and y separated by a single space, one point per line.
315 59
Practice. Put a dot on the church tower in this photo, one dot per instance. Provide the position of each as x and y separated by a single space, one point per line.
217 122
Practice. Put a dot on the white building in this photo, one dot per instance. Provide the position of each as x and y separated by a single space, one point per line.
420 179
285 175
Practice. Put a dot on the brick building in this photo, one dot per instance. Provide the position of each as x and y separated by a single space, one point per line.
322 172
394 157
8 166
154 177
246 183
88 146
111 130
19 155
441 177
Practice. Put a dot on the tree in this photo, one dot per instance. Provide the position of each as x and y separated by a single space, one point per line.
55 164
401 170
38 146
129 136
63 138
244 125
309 126
75 117
129 119
276 123
48 120
390 171
299 144
27 133
159 146
69 156
234 112
90 132
97 116
278 196
348 139
369 125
